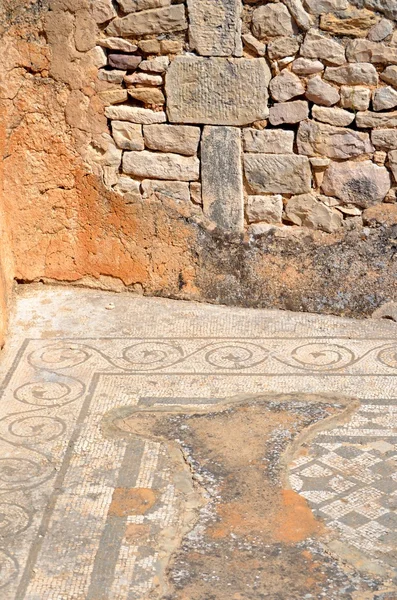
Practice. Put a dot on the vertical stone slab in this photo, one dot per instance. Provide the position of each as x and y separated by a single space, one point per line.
215 27
221 177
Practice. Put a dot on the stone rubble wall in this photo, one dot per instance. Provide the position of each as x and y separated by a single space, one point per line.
262 114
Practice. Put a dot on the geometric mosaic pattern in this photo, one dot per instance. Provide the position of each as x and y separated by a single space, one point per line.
58 473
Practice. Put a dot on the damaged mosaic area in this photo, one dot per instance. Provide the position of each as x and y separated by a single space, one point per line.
153 459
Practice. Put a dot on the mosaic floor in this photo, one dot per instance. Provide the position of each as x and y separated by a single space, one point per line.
67 529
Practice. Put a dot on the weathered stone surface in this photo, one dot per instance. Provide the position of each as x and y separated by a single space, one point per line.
146 79
180 139
268 141
277 173
113 96
349 22
272 20
381 214
333 116
303 19
128 136
195 192
359 183
219 35
370 119
115 43
319 7
286 86
129 6
150 46
253 44
393 163
288 112
112 76
384 139
282 47
307 211
149 22
161 166
217 90
156 65
354 74
357 97
384 98
126 185
365 51
264 208
320 47
103 10
387 7
334 142
150 96
178 190
135 114
98 57
222 178
128 62
321 92
381 30
307 66
390 75
171 46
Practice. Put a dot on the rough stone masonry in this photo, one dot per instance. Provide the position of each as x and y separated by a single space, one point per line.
267 114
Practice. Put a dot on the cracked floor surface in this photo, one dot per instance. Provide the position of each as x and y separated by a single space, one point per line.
152 449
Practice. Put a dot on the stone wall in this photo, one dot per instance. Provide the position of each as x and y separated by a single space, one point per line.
238 152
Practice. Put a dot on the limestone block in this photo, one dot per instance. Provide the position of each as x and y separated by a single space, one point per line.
98 57
286 86
288 112
333 116
334 142
365 51
393 163
272 20
277 173
217 91
370 119
252 43
359 183
307 211
353 74
150 22
153 165
103 10
387 7
264 208
195 192
384 139
112 76
357 97
321 92
384 98
135 114
178 190
150 96
222 178
156 65
126 185
115 43
129 6
128 136
171 46
390 75
282 47
302 18
268 141
180 139
319 7
381 30
349 22
215 27
320 47
146 79
113 96
128 62
150 46
307 66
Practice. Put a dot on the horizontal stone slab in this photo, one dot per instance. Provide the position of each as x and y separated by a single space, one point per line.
179 139
135 114
149 22
278 173
154 165
315 139
217 91
372 119
268 141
